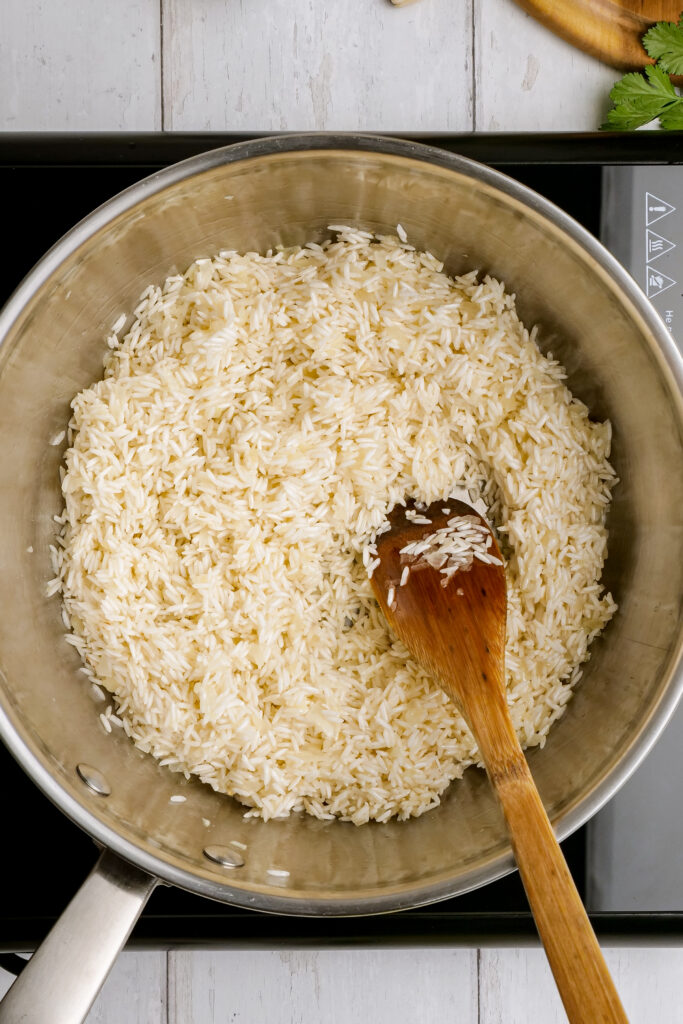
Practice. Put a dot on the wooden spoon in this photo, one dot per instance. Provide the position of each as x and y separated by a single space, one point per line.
457 632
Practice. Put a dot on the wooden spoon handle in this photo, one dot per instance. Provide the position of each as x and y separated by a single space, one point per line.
580 971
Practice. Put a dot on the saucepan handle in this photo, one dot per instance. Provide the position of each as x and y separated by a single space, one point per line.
61 981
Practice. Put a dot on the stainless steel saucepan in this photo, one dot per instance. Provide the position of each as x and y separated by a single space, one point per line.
254 196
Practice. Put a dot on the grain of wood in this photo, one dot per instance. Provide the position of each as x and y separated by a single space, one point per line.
134 992
527 79
516 986
328 987
81 65
258 65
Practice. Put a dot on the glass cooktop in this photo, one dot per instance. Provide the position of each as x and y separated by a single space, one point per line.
632 185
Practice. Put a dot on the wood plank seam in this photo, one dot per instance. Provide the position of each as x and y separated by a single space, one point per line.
162 63
473 25
168 988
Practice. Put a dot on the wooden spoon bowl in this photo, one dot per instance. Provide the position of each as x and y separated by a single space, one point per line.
457 632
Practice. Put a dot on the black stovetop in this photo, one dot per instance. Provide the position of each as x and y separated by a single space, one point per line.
50 182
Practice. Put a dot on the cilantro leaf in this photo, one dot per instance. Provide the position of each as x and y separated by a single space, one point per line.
640 99
664 42
621 120
633 87
672 118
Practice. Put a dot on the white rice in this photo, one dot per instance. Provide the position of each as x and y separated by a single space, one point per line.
254 426
450 549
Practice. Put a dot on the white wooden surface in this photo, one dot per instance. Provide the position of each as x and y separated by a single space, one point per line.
440 65
298 64
437 65
527 79
80 65
344 987
492 986
497 986
516 986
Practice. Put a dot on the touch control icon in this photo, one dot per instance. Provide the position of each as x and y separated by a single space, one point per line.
657 282
656 245
656 208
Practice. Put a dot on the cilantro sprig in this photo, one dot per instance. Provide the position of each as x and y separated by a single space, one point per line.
664 43
641 98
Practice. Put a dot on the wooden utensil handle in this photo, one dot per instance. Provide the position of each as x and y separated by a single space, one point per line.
580 971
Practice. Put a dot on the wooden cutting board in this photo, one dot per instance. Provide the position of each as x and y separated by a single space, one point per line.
610 30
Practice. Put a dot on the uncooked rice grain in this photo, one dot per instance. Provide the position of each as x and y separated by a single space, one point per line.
255 424
450 549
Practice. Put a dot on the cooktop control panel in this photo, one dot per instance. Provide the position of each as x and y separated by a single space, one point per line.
642 224
634 843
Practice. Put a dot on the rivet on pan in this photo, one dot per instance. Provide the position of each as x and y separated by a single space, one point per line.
225 856
93 779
